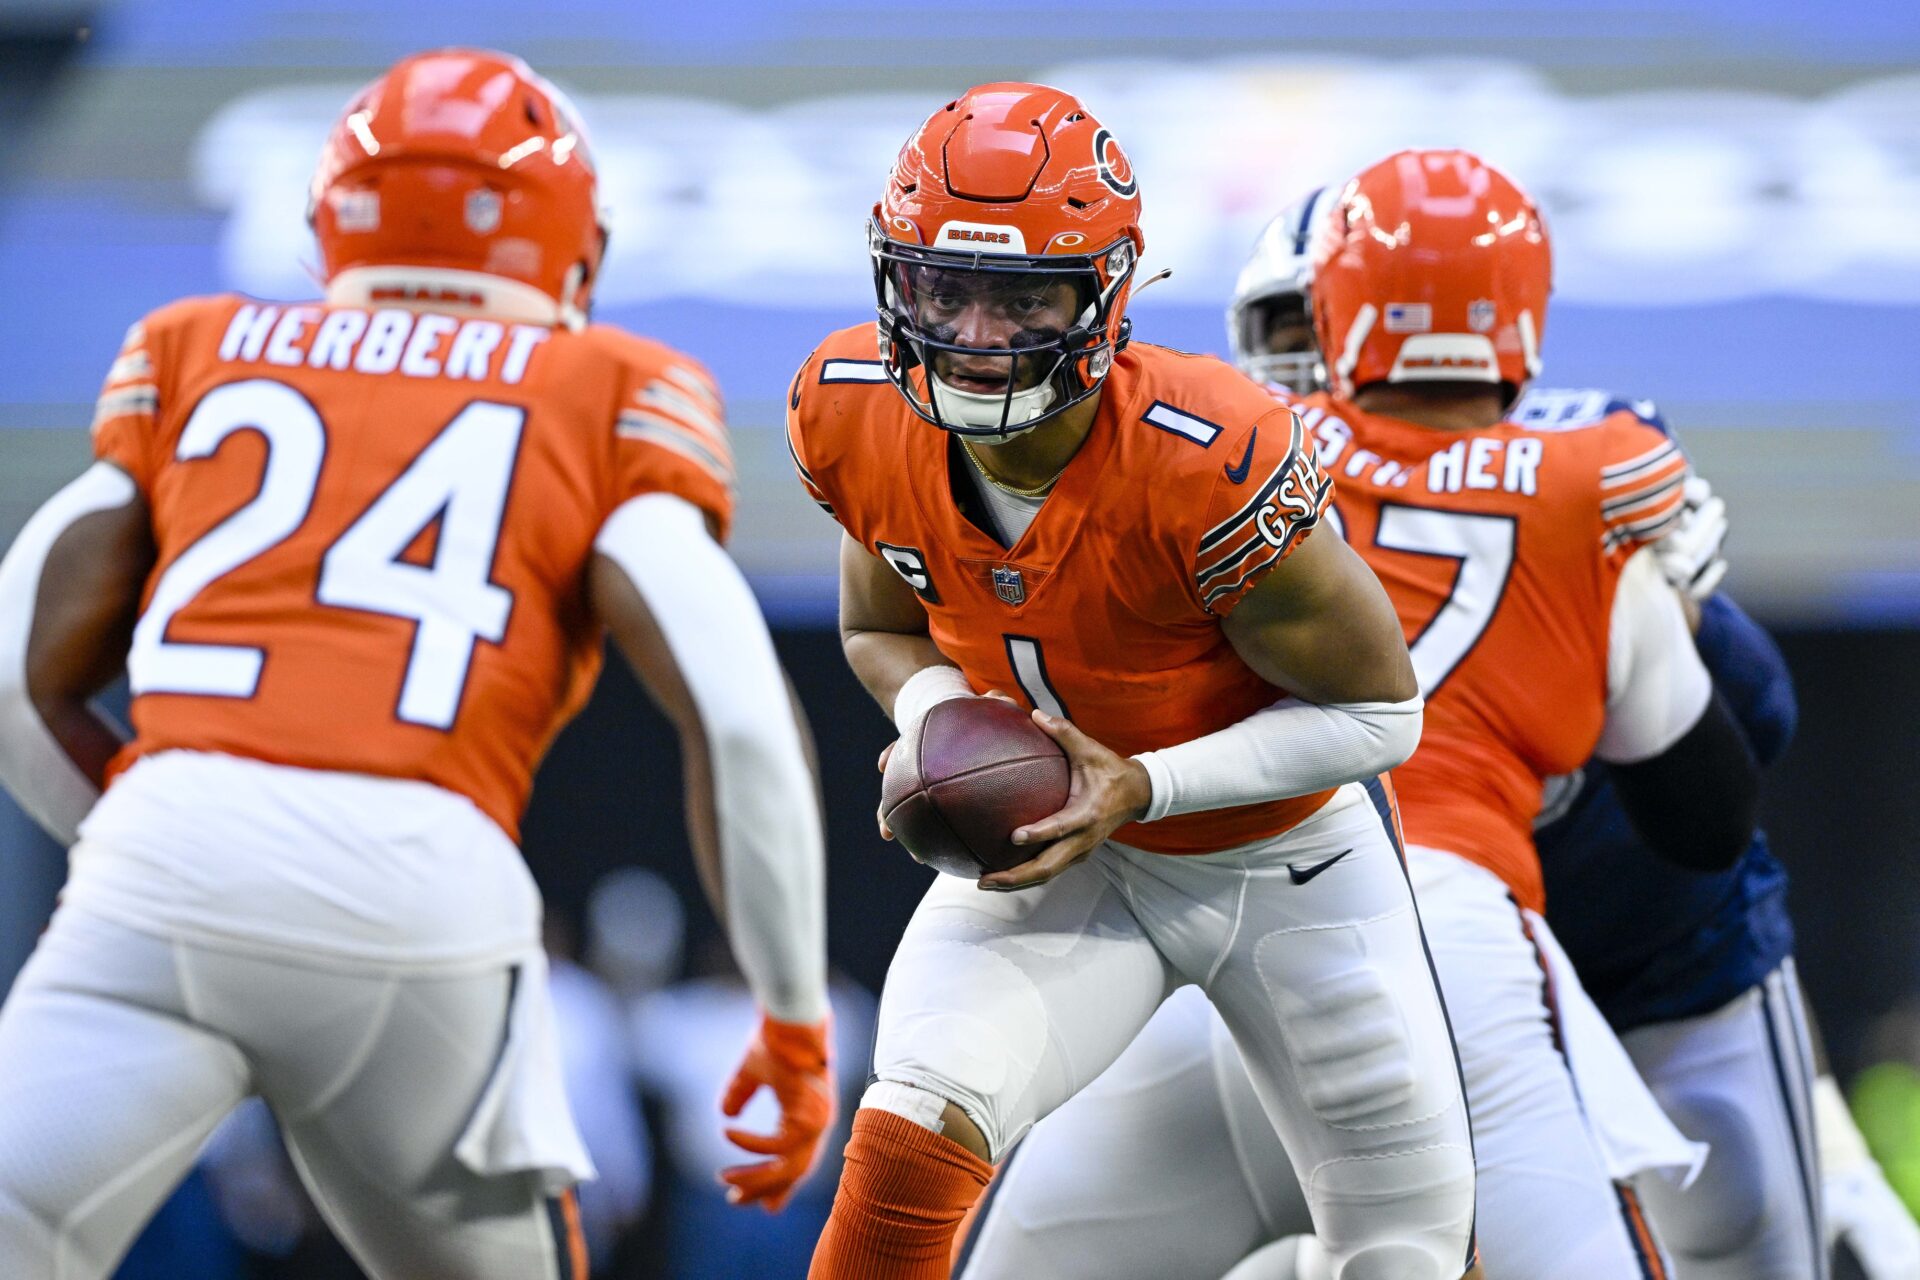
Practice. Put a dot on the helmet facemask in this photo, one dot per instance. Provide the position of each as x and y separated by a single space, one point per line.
1046 322
1273 339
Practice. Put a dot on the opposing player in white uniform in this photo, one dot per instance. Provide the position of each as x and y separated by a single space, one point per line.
358 558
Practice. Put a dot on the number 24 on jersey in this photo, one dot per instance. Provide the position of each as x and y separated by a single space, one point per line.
460 479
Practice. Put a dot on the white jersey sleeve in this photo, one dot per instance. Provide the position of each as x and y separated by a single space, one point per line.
1657 687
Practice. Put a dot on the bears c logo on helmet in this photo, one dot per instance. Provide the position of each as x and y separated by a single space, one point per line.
1114 167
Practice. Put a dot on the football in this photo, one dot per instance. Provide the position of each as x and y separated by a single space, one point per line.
976 772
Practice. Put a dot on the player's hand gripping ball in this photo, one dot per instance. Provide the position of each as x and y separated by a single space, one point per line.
977 771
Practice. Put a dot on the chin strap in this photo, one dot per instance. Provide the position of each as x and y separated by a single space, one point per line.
1008 415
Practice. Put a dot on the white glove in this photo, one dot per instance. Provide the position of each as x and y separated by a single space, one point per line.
1690 556
1861 1208
1864 1211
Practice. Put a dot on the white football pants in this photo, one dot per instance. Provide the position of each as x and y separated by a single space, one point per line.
1162 1167
1737 1078
1741 1080
120 1051
1007 1004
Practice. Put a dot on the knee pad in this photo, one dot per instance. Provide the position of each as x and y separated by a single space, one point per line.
1398 1261
1342 1024
1725 1209
942 1043
1396 1215
1291 1258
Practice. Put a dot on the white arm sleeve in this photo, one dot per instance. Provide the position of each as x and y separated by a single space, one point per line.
41 776
1292 748
772 852
1657 687
922 692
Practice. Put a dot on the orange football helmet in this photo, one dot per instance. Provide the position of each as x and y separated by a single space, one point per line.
460 176
1008 193
1433 266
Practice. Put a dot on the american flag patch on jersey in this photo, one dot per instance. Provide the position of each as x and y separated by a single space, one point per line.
1408 317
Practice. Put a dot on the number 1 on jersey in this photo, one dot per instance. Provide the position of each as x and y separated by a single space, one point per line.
1030 669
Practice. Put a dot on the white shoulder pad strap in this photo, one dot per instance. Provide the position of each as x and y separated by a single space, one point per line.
1657 687
48 785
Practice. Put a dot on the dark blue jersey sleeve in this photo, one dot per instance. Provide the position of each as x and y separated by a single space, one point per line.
1645 410
1751 674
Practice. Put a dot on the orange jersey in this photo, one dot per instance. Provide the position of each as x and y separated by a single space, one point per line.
373 528
1501 550
1191 486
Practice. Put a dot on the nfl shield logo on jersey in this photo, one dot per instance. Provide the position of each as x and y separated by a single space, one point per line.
1007 584
483 211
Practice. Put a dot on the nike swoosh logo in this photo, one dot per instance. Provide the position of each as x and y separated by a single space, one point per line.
1239 474
1303 874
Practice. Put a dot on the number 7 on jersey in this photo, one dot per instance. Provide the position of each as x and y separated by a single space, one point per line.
1483 547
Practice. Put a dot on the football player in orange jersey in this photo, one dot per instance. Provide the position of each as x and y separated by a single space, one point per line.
1692 971
358 558
1119 536
1542 634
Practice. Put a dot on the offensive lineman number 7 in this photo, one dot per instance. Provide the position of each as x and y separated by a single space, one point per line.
461 479
1483 547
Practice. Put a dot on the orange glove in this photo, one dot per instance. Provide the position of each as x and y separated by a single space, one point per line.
791 1059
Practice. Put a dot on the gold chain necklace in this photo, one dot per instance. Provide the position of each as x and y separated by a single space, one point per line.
1038 491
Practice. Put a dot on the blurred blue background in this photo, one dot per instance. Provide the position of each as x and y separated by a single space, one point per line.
1734 190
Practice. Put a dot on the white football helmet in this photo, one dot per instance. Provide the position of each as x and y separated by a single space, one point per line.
1270 320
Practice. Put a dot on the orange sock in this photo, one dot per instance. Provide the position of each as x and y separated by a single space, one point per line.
967 1223
903 1195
